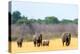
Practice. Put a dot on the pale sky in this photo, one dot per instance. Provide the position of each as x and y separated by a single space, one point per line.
41 10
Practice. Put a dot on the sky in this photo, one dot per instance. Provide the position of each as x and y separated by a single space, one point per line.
39 10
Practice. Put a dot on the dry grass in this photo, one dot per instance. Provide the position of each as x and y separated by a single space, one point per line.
55 44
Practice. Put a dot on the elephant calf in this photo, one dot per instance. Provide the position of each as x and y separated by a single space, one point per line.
66 38
45 42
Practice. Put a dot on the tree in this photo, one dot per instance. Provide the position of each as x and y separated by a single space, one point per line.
39 21
51 20
66 21
15 16
32 20
23 20
75 21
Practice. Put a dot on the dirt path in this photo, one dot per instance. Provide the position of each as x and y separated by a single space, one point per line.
55 44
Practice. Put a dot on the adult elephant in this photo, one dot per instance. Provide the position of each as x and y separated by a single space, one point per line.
37 39
66 38
20 41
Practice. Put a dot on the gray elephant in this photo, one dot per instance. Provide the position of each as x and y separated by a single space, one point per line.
37 39
66 38
19 42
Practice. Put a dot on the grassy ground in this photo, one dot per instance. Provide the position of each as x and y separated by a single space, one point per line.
55 44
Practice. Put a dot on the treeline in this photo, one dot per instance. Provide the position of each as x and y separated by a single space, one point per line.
16 18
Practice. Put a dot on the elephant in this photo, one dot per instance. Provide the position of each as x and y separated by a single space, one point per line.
66 38
45 42
37 39
19 42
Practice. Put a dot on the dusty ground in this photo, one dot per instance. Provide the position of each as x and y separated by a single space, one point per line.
55 44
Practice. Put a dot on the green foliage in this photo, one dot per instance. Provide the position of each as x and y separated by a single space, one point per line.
22 20
16 15
66 21
18 19
39 21
32 21
75 21
51 20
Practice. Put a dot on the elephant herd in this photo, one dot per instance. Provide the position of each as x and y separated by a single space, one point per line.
38 41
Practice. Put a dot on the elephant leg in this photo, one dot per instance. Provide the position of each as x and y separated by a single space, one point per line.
63 43
68 43
41 43
47 44
38 44
35 43
17 44
20 44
